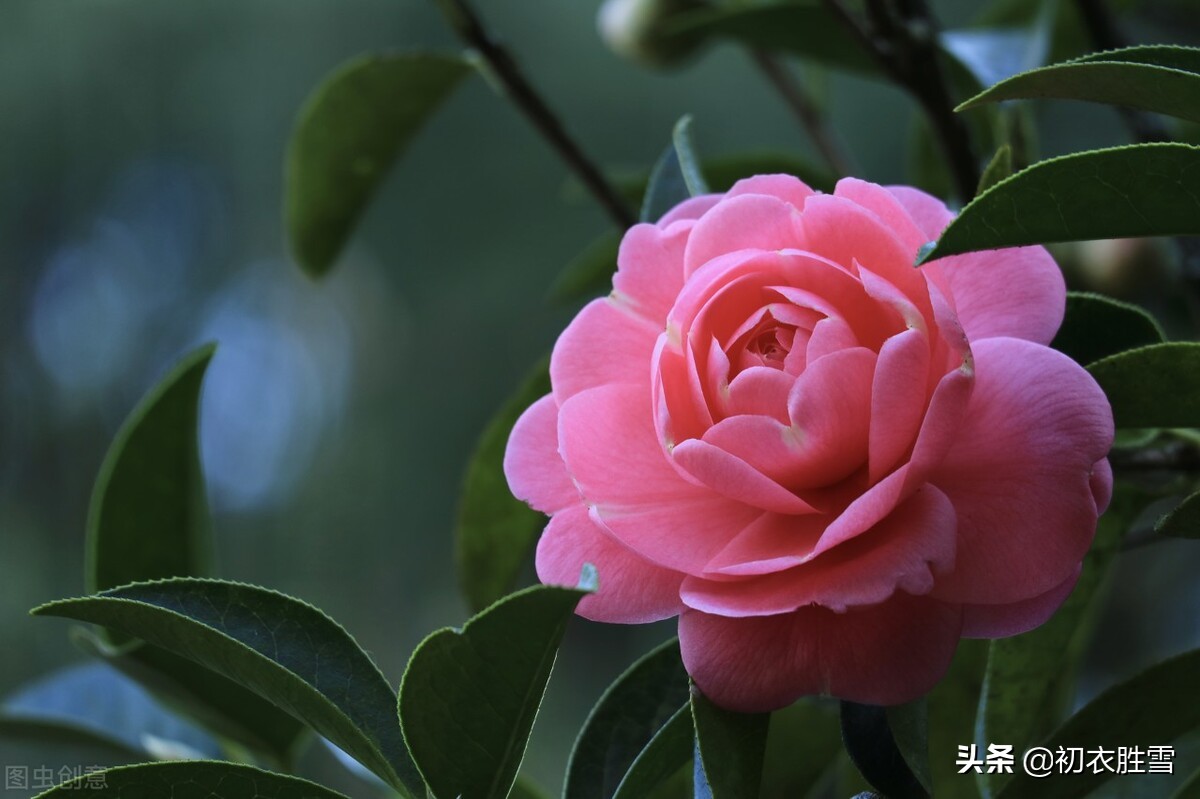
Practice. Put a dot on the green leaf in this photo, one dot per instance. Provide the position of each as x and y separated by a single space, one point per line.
1139 190
469 698
149 515
588 274
999 168
194 779
1190 789
952 706
802 742
349 132
1096 327
631 711
216 702
1029 675
61 737
909 724
661 758
1163 79
805 29
872 746
97 698
675 177
723 171
495 530
1183 521
1146 710
1154 386
282 649
149 519
524 788
730 748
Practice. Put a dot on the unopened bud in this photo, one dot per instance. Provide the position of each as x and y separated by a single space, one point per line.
641 30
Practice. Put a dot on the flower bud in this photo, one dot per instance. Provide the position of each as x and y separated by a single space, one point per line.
638 30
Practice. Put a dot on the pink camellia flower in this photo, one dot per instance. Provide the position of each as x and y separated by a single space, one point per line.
831 465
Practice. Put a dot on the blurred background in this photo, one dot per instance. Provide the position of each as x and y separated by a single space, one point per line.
141 150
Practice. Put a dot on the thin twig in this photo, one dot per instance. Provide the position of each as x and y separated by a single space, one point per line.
470 29
806 112
905 48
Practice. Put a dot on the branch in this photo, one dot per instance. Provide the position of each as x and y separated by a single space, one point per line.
470 29
905 47
805 111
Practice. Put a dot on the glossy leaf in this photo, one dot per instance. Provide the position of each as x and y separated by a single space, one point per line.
730 749
590 273
805 29
216 702
909 724
1096 327
999 168
281 648
675 177
623 721
1146 710
50 737
195 779
873 748
1028 675
1161 78
149 514
1190 789
1139 190
661 759
803 741
1183 521
496 531
469 697
95 698
349 132
1154 386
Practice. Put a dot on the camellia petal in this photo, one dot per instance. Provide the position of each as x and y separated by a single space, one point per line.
885 654
632 590
605 344
535 471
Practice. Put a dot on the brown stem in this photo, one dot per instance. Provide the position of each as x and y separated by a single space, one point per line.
905 47
470 29
806 112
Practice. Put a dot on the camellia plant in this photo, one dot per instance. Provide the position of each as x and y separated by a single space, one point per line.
861 440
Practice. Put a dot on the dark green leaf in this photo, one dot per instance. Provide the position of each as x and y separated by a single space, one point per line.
630 712
350 131
1139 190
689 163
525 788
495 530
1161 79
872 747
660 760
999 168
1190 789
194 779
805 29
952 706
60 736
909 724
1154 386
1146 710
723 171
802 743
149 516
1029 675
1096 326
1183 521
97 698
675 177
281 648
469 698
218 703
590 273
730 749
